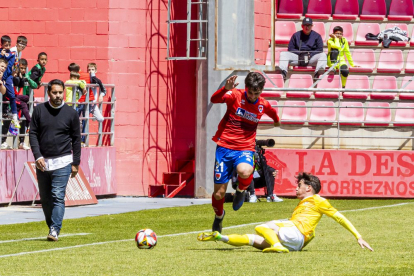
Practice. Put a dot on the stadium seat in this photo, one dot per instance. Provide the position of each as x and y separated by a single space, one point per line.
403 27
348 31
299 81
384 82
404 117
277 55
319 27
390 61
350 115
356 82
410 86
346 9
378 116
409 66
277 79
364 58
401 10
373 10
296 113
266 119
290 9
365 28
329 82
322 116
319 9
284 31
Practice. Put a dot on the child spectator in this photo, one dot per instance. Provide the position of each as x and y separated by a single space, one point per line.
22 91
8 77
35 75
18 49
92 70
80 90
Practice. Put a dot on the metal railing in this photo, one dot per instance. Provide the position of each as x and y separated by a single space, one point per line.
107 124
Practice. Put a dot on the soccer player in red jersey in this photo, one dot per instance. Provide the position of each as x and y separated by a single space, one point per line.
236 137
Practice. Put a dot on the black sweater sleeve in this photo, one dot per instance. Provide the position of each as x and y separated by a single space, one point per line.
76 140
33 134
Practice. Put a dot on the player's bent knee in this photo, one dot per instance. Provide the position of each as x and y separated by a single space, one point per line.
219 195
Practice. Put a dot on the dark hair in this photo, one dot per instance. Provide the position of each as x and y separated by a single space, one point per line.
21 39
55 82
255 81
311 180
41 54
5 38
73 67
23 61
338 28
3 60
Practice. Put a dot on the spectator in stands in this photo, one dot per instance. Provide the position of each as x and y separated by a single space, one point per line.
338 47
22 91
79 90
18 49
8 77
56 146
35 75
92 70
305 48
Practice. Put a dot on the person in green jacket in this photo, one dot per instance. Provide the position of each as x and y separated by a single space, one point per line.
338 48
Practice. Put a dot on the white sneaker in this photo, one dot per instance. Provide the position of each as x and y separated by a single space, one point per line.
5 146
53 235
253 198
16 123
23 146
274 198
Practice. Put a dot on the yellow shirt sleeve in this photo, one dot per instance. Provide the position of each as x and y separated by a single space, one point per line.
342 220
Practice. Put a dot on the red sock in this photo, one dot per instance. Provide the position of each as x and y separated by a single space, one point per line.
217 205
244 183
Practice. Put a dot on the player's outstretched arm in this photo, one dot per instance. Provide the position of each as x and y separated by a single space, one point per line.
231 83
364 244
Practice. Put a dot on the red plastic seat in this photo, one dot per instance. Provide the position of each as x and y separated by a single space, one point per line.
348 31
290 9
351 116
403 27
390 61
284 31
329 82
319 27
401 10
410 86
266 119
409 66
277 79
346 9
277 55
404 117
378 116
319 9
373 10
364 58
356 82
365 28
296 114
299 81
384 82
322 116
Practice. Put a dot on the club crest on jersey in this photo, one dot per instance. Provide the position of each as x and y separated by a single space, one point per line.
260 108
247 115
218 175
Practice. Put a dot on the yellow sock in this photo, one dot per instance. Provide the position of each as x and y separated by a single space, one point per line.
268 234
343 79
238 240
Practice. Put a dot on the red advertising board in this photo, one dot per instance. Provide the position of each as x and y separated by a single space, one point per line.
346 173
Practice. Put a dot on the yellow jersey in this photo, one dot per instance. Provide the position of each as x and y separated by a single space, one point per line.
310 210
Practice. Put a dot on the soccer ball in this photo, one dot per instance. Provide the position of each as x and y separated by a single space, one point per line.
146 239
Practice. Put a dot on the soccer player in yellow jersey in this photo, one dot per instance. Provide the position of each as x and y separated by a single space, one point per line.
293 234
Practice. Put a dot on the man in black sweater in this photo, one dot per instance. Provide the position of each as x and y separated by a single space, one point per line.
56 144
305 46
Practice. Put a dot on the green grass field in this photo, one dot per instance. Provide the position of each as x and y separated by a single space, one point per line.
110 249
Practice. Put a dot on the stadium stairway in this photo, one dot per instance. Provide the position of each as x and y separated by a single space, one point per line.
179 183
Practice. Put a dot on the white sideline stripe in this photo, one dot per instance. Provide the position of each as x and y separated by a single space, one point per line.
178 234
42 238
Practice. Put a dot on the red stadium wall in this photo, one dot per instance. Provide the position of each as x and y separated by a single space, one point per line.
155 108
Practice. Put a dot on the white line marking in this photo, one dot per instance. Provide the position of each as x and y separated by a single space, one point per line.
44 238
178 234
